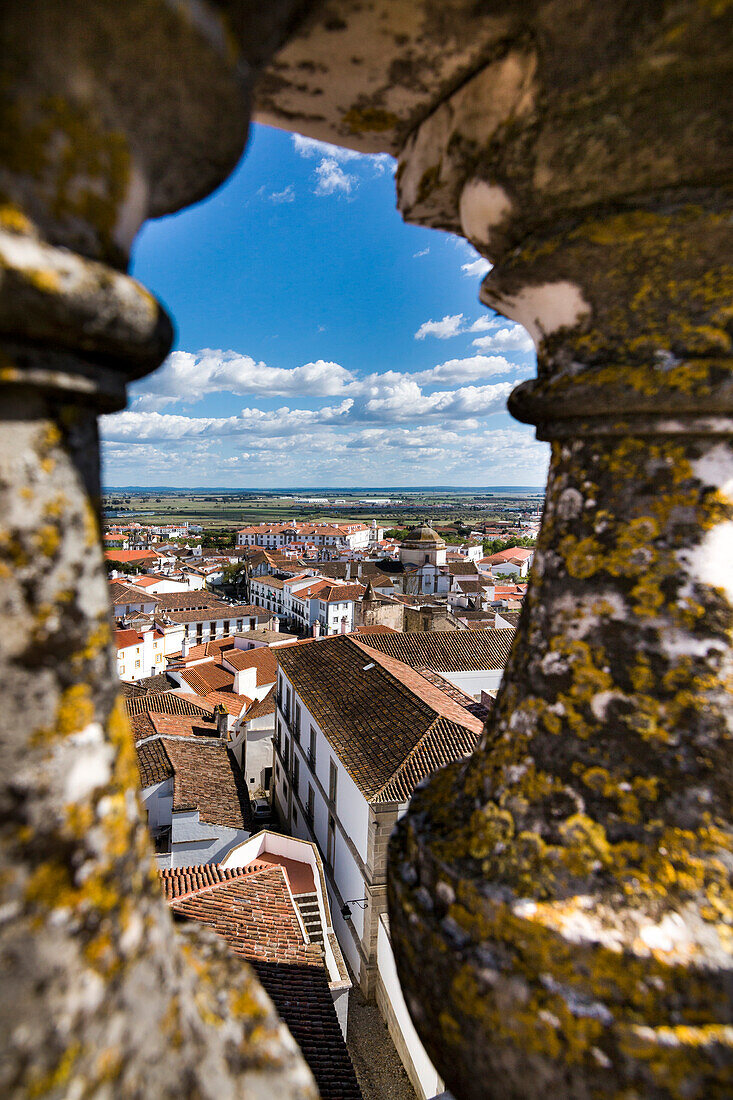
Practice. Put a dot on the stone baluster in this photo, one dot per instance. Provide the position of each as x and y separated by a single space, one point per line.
109 113
561 903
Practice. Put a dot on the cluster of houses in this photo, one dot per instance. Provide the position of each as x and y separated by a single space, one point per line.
274 765
280 736
423 585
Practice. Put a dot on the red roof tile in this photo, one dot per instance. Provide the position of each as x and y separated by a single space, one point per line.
207 677
261 658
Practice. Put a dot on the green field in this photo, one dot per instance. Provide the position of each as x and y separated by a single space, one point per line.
238 509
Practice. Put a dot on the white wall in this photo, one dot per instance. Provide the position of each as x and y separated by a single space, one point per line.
473 683
421 1071
352 815
259 756
195 841
158 804
192 841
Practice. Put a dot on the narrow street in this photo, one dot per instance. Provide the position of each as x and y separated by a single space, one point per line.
379 1071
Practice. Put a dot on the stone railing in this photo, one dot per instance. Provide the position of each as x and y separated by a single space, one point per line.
561 904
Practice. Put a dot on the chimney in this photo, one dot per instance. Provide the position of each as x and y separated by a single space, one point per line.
184 647
317 629
222 721
343 625
275 624
245 682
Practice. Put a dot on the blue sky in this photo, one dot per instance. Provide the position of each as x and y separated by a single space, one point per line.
320 340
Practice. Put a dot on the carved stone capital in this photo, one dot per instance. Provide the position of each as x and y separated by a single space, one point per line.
109 113
561 903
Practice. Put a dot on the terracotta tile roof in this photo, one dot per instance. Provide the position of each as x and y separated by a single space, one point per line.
432 689
205 775
262 634
179 881
183 725
135 556
341 592
377 723
233 704
311 590
472 584
255 914
336 569
446 650
462 568
262 658
478 710
145 582
120 593
262 707
207 677
153 763
126 638
269 582
146 686
518 552
379 628
252 908
303 1000
443 743
206 649
165 702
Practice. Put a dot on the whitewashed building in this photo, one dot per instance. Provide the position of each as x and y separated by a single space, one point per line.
349 718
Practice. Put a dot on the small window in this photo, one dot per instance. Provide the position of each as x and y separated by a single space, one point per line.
309 808
137 664
162 840
296 772
332 779
331 847
286 752
312 751
295 816
296 725
212 629
239 624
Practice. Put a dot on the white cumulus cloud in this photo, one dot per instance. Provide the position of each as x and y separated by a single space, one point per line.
476 267
443 330
189 376
330 178
511 338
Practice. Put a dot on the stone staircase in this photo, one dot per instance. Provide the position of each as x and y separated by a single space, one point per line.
308 906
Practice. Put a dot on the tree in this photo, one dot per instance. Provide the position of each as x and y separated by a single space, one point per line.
121 567
236 577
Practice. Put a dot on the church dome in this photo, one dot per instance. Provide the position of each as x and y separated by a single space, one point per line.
422 537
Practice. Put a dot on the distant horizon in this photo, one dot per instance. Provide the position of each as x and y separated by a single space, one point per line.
281 489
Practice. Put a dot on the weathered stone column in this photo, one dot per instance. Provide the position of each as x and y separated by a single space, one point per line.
109 113
561 904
